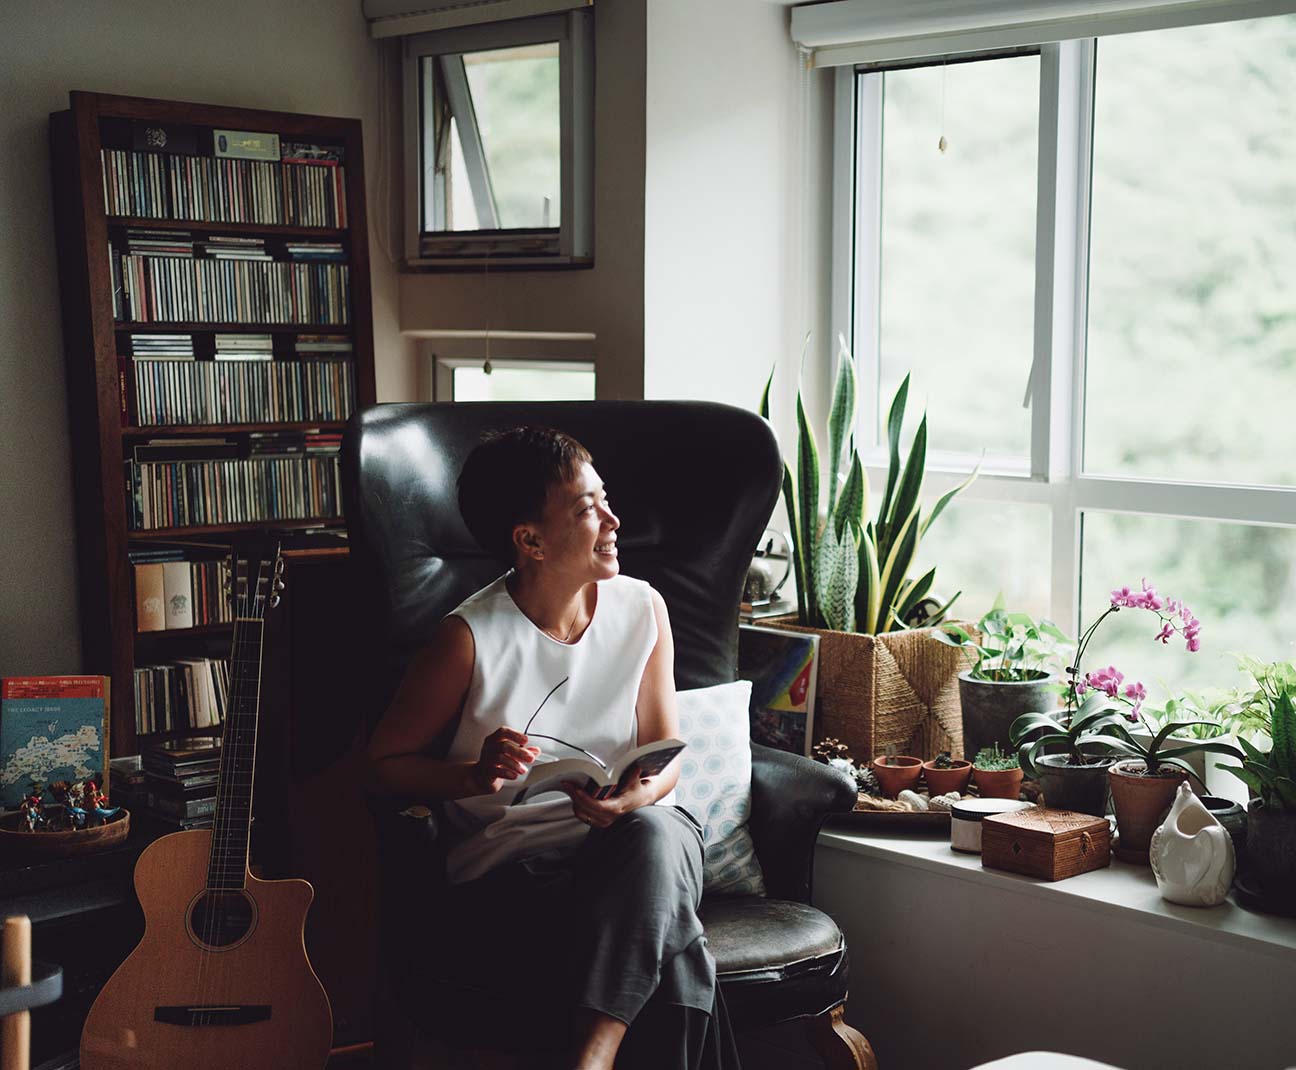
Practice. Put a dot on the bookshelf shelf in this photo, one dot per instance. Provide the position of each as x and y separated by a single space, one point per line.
188 430
199 227
226 529
99 133
177 327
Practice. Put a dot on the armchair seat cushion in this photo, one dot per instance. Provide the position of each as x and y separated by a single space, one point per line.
746 933
775 959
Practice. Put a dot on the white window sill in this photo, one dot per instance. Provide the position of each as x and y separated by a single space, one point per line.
1120 890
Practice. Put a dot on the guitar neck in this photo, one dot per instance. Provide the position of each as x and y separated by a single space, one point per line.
227 867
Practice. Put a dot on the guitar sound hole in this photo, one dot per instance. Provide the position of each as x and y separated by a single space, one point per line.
220 919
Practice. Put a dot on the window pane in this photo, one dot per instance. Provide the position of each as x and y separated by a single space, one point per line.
983 548
958 249
515 93
1238 579
522 384
1192 329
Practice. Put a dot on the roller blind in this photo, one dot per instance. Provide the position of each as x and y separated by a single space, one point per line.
876 31
397 18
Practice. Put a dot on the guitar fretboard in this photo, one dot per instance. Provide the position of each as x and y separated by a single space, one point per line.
227 867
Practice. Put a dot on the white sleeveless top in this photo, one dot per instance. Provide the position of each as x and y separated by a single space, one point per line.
515 666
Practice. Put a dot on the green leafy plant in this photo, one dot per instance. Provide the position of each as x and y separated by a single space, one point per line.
1087 727
1013 647
1271 775
992 759
852 572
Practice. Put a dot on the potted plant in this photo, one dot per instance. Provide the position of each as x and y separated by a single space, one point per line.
945 774
1076 778
997 775
882 681
1143 785
1017 662
896 772
1271 817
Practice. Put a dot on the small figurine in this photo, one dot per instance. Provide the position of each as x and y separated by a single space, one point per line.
98 803
33 809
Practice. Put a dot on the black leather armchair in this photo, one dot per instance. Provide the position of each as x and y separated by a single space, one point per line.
694 485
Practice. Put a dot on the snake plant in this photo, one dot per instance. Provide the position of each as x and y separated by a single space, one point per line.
852 572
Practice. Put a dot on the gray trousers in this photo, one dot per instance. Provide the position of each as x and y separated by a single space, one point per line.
616 924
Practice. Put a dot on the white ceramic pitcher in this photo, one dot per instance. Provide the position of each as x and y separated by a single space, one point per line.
1192 854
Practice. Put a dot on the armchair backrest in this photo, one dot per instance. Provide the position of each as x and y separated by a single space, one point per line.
694 484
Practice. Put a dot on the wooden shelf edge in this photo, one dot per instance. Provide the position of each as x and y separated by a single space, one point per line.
178 327
189 430
286 230
328 523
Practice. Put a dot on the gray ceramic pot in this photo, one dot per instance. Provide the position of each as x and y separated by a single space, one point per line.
1271 848
1233 817
1082 788
990 708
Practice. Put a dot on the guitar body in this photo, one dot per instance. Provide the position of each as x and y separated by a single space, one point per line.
219 980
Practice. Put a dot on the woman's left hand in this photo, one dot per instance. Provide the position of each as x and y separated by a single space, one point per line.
600 813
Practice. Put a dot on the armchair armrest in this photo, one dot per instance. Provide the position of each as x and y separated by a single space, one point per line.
411 868
791 797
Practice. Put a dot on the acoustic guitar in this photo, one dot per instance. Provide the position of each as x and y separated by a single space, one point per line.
220 979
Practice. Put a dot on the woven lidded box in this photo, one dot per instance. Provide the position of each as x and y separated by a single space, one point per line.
1050 844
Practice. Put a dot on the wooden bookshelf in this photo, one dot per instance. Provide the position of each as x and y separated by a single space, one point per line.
101 439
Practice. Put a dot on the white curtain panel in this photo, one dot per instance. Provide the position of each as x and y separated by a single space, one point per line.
879 31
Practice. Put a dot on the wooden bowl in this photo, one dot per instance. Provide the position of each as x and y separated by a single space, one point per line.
15 837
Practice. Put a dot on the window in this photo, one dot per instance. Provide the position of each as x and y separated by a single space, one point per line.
524 366
499 127
1092 282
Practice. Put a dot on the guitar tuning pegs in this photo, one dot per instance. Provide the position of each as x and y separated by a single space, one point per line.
274 600
279 583
279 566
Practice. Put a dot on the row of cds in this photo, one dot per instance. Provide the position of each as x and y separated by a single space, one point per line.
187 693
151 289
182 493
301 193
242 391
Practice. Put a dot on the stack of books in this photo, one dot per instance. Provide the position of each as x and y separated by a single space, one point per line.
180 776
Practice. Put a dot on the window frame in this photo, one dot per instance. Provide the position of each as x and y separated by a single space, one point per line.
570 244
1056 479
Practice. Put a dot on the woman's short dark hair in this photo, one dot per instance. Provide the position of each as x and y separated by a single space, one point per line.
506 479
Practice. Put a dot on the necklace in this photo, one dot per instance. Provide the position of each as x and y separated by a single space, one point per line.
570 629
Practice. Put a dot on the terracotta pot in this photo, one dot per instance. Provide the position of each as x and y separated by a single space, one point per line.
943 781
902 771
1079 788
990 707
1141 804
998 783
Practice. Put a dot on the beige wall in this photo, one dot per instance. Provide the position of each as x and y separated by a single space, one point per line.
734 184
287 55
606 299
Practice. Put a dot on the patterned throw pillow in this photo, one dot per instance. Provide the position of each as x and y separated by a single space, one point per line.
715 784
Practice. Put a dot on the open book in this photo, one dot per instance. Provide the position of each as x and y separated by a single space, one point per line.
600 780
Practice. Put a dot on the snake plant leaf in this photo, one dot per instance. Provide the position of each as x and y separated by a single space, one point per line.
841 417
798 558
1247 776
895 421
906 496
763 409
807 482
868 595
1283 755
899 561
853 503
949 496
915 593
836 579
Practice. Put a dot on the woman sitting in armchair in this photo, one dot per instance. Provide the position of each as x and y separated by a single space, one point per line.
605 889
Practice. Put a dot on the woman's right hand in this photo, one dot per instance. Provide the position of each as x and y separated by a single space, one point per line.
504 756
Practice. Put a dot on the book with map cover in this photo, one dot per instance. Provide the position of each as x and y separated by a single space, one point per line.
51 728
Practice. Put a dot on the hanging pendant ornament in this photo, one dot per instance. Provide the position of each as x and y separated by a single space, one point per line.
943 143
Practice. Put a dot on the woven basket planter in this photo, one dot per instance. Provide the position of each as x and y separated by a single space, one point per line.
898 689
